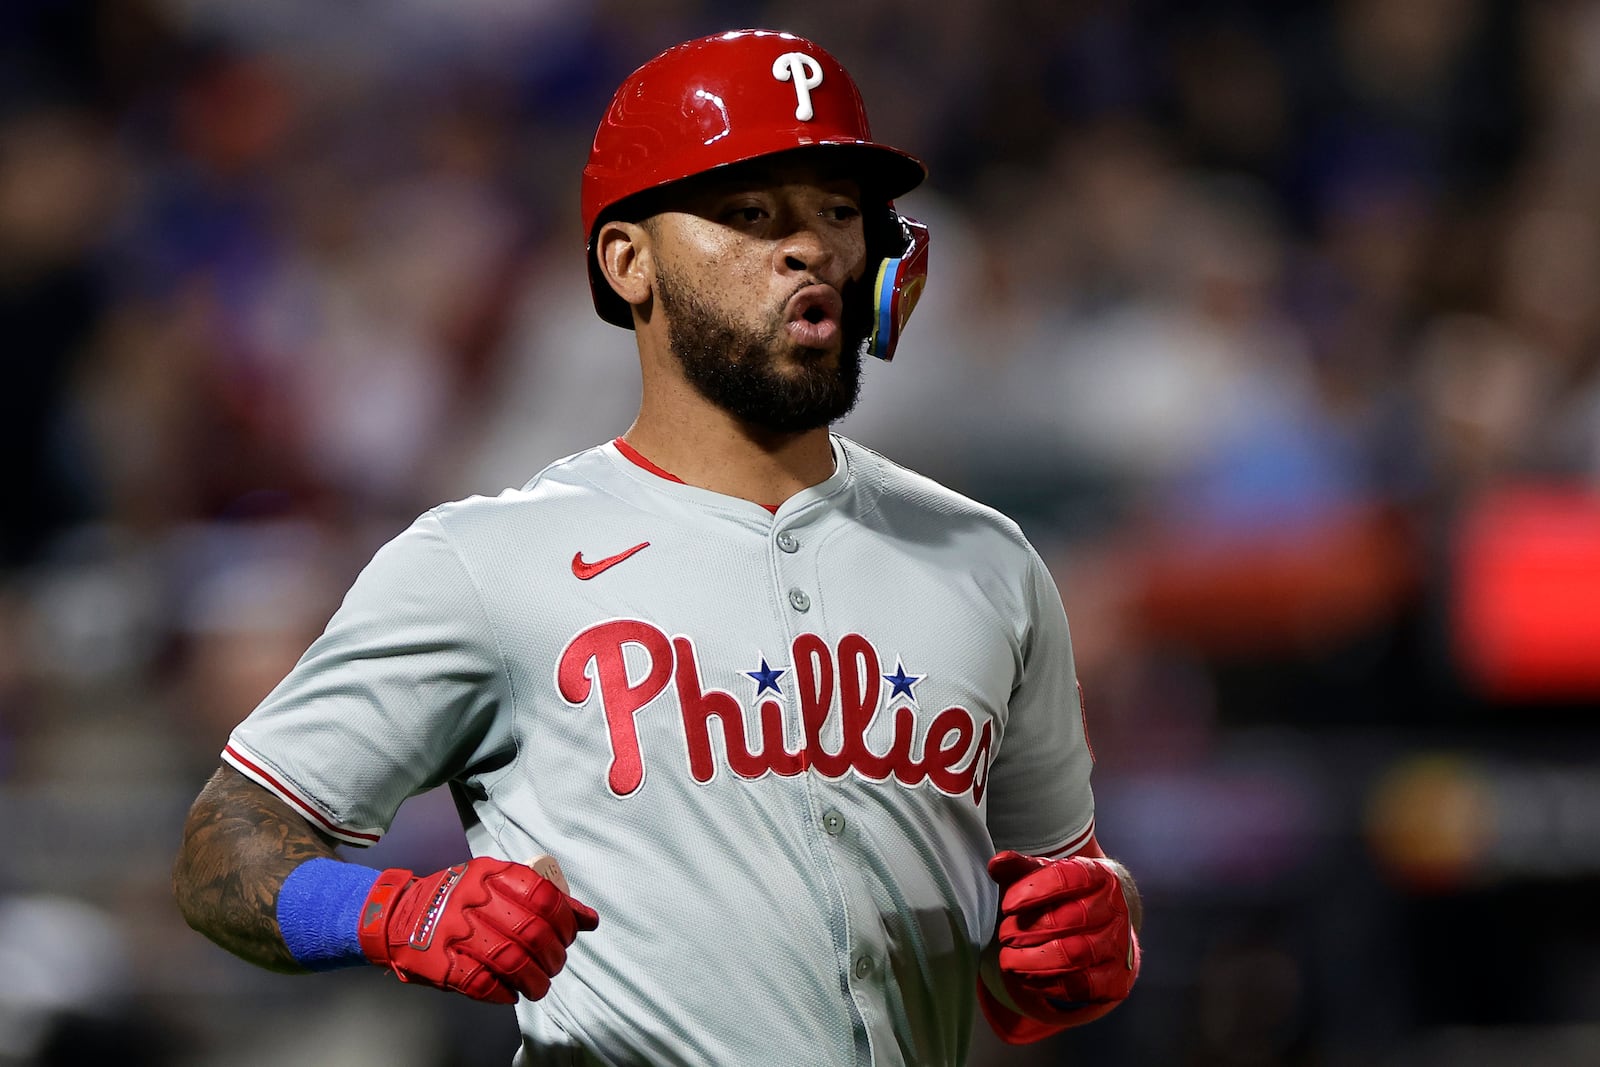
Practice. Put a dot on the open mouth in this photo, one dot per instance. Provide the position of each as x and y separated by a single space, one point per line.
816 304
814 317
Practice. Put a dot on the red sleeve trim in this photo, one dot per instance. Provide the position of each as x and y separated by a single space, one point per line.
1083 714
271 782
1076 844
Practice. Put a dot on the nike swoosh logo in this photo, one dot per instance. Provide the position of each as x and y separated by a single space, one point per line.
371 913
585 571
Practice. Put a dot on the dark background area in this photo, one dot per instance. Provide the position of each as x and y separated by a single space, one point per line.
1275 325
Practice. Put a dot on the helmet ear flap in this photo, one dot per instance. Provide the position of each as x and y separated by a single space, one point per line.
898 286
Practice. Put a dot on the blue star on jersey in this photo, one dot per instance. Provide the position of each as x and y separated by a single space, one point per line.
903 682
767 677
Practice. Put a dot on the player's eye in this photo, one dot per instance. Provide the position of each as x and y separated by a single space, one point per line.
745 214
842 212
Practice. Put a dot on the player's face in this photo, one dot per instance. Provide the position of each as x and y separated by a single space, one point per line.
756 274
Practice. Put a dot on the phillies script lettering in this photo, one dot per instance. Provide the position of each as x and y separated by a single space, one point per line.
952 754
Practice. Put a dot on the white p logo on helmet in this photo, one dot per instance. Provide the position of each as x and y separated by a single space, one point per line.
806 73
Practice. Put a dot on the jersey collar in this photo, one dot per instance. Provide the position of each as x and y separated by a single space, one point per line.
641 469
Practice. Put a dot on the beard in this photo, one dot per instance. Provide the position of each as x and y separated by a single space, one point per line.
737 368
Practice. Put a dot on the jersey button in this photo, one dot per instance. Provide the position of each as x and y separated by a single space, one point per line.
788 542
833 822
863 966
798 600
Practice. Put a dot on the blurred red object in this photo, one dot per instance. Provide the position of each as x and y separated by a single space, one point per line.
1277 593
1526 604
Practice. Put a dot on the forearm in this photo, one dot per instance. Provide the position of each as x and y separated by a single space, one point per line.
1130 893
1130 890
240 842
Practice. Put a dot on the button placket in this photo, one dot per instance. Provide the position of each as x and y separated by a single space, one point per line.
831 834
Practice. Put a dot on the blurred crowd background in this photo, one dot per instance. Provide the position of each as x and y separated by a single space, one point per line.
1277 326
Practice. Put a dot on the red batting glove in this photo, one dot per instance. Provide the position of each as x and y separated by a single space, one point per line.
1068 953
487 928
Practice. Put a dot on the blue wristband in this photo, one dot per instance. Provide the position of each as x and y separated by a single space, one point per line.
319 913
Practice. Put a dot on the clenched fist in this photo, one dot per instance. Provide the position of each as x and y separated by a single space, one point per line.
488 928
1068 951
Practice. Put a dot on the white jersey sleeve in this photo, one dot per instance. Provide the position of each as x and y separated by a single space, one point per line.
1040 799
398 695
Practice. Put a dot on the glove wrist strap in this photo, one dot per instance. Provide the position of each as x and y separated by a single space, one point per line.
372 931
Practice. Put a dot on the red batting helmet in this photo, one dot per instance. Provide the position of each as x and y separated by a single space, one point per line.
738 96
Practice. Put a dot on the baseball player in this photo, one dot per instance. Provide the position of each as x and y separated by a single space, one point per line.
800 727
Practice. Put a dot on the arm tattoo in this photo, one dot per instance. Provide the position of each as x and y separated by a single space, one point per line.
240 842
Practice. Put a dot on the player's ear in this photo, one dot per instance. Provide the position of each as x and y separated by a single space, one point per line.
627 260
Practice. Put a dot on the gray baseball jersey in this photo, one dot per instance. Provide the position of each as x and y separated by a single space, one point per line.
773 750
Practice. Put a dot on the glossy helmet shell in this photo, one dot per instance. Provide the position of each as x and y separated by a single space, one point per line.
722 100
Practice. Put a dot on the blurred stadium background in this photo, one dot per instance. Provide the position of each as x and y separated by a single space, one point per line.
1276 325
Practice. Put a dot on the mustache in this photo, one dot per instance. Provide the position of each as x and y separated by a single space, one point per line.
852 288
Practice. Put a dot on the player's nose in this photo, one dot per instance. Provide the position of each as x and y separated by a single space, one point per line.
805 250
